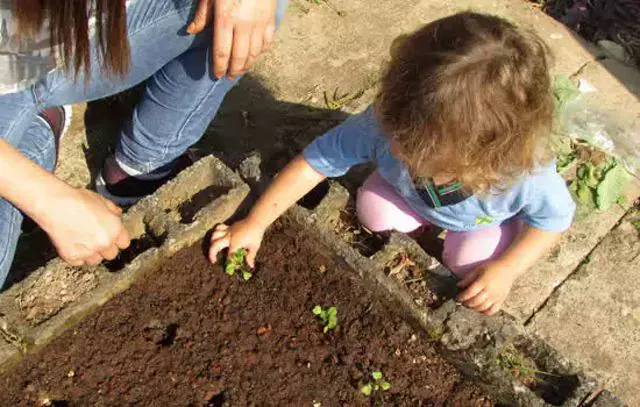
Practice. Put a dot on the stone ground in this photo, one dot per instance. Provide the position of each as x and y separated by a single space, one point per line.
576 297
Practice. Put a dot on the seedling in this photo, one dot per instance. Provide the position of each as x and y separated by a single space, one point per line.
236 264
328 316
338 101
377 383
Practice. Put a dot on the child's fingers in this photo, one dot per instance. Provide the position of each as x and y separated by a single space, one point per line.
494 309
216 246
485 306
470 292
251 256
219 233
468 279
477 300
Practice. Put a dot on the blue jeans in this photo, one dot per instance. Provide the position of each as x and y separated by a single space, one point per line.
180 100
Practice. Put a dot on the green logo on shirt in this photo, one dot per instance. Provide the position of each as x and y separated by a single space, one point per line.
484 220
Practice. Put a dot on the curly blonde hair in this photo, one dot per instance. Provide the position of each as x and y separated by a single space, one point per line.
469 96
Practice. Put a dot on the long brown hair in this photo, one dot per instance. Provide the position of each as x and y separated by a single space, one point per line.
469 96
70 31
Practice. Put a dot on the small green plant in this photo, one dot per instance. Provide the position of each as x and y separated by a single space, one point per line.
376 383
338 101
328 316
236 264
636 224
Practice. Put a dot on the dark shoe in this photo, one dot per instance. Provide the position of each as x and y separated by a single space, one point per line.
58 119
115 184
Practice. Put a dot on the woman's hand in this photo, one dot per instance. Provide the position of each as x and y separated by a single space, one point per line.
242 234
84 227
242 30
487 287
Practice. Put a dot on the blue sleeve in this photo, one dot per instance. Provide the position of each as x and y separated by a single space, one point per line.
550 206
355 141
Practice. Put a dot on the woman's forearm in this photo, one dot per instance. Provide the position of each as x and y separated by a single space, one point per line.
291 184
25 184
528 248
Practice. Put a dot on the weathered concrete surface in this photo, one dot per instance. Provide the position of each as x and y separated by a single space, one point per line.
594 318
319 50
533 288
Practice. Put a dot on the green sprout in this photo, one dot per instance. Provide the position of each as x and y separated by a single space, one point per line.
236 263
328 316
338 101
376 383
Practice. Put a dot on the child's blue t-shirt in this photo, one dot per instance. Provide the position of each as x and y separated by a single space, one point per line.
541 199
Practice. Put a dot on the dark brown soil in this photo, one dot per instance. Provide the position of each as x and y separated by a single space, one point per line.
191 335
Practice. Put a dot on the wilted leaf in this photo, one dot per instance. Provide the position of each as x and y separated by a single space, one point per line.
564 91
612 187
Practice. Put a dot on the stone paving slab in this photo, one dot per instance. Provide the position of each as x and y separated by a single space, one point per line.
352 52
533 288
594 318
614 99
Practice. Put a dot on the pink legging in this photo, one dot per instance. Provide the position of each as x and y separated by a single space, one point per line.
380 208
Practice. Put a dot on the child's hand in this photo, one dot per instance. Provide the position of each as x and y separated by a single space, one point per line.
242 234
487 287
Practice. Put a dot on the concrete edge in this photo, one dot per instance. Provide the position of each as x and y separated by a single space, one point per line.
472 342
156 216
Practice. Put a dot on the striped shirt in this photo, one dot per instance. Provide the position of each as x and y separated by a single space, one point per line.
23 61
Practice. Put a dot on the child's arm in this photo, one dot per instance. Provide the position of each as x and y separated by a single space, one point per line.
488 286
293 182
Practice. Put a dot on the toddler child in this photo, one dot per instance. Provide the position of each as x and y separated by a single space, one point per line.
459 135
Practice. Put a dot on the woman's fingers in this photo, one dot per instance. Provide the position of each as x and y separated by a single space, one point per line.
255 48
110 253
240 51
202 17
223 32
94 260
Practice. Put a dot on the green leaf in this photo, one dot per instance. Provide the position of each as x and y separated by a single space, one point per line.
564 161
366 389
385 386
636 224
564 91
317 310
239 255
246 275
377 375
612 187
585 194
230 268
